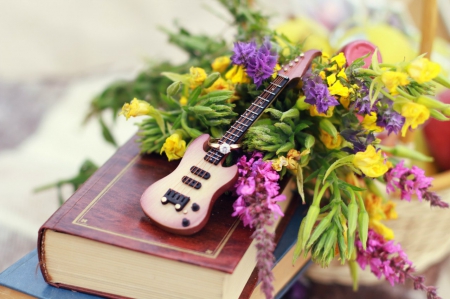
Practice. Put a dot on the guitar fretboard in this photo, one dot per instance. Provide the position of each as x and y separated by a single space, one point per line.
251 114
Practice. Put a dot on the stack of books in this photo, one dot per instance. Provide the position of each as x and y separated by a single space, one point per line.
100 242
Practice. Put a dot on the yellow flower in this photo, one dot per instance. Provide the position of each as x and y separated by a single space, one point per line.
313 111
135 108
237 74
342 74
414 114
378 210
219 84
183 101
340 59
422 70
383 230
338 89
329 141
393 79
331 79
279 162
174 147
370 162
275 71
345 101
198 76
322 75
220 64
370 122
292 157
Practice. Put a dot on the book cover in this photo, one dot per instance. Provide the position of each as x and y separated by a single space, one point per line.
106 209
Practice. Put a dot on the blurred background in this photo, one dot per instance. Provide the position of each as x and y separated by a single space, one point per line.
55 56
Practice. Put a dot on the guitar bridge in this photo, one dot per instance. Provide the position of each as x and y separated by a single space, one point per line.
175 198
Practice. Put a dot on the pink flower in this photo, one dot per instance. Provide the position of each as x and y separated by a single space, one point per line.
258 196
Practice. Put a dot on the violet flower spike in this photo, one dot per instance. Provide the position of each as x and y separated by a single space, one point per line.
412 182
258 191
389 260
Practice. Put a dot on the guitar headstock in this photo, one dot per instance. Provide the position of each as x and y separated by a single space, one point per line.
297 67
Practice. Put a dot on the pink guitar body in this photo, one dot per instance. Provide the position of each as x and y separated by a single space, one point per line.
181 202
189 217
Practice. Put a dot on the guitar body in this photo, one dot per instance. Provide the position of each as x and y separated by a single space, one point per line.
182 201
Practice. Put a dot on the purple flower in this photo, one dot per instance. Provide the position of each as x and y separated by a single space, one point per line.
317 93
243 52
412 181
390 120
261 65
258 196
389 260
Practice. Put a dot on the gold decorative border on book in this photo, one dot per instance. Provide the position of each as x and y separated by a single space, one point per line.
79 220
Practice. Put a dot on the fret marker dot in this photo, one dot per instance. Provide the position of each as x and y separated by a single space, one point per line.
164 199
296 59
285 69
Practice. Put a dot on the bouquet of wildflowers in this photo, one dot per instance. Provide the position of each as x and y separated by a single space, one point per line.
325 133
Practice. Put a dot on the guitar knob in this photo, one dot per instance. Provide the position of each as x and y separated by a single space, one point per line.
185 222
195 207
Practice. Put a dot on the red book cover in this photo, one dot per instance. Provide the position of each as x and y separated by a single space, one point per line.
107 209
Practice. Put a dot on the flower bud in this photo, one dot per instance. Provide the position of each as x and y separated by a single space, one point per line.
328 127
173 88
363 227
285 128
330 242
211 79
318 246
309 141
352 217
310 220
342 246
200 110
301 105
320 228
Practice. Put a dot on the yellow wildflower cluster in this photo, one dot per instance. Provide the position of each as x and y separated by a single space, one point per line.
329 141
135 108
393 79
174 147
370 123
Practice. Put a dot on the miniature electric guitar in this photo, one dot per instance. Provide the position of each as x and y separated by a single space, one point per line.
182 201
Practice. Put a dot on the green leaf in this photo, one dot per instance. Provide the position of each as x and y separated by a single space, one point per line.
107 133
177 77
341 162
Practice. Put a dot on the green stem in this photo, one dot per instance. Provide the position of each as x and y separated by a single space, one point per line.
388 95
362 71
316 201
405 94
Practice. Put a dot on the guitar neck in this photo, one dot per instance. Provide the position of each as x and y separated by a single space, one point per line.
250 116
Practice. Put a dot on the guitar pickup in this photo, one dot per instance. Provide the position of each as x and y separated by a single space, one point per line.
191 182
200 172
177 199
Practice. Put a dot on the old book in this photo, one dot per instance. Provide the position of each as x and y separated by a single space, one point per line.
101 242
23 280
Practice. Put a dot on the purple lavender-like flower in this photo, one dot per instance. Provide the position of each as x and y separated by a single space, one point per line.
390 120
258 191
243 52
317 93
389 260
362 103
261 65
411 181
